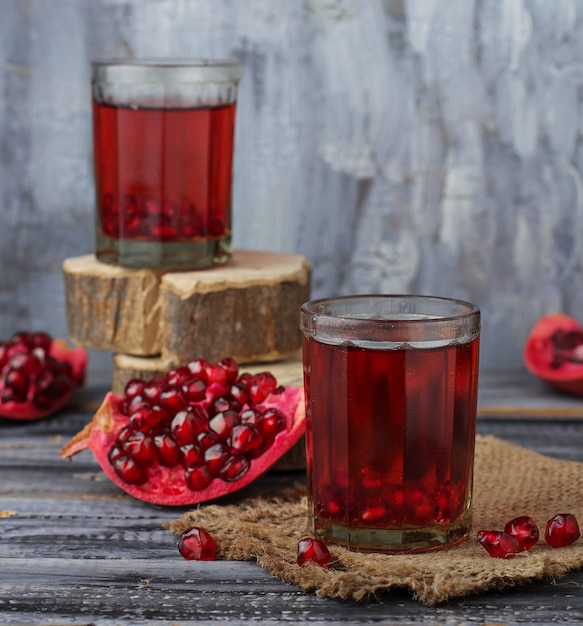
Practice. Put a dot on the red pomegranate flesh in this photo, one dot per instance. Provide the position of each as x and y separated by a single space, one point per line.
38 374
200 432
553 352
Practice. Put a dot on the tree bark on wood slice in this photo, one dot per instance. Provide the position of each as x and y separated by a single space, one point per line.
248 309
112 308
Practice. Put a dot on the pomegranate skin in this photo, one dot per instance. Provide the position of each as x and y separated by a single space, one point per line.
216 469
553 352
38 375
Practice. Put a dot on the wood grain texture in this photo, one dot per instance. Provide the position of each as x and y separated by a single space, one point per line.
75 550
112 308
248 309
397 146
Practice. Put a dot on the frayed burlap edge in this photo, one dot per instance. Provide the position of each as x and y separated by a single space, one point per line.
509 481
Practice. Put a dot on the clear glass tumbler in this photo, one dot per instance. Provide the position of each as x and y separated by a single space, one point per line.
163 138
391 385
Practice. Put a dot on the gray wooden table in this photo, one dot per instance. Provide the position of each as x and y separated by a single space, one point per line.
74 550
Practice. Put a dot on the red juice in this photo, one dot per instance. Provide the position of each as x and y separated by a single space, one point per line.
390 442
163 175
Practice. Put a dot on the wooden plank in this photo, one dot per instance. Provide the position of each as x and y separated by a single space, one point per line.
74 549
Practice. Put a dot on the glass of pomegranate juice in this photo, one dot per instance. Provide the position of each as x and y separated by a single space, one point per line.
391 396
163 139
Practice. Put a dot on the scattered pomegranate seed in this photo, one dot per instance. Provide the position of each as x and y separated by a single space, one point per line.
197 544
313 550
499 544
562 530
524 529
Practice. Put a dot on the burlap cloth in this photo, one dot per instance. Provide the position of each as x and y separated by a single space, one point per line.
509 481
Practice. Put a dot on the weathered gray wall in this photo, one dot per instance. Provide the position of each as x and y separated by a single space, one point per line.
401 145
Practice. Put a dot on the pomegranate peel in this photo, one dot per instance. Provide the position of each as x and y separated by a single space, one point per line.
553 352
168 476
38 374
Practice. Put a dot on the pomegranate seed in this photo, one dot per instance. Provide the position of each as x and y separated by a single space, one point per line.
9 395
250 416
562 530
114 453
25 363
314 551
172 399
17 381
134 387
194 389
196 544
41 340
236 467
153 390
261 386
167 449
231 369
130 470
198 478
374 513
239 393
224 404
147 417
222 424
245 437
187 425
138 445
216 375
216 458
198 368
132 405
271 423
178 376
499 544
524 529
192 455
207 439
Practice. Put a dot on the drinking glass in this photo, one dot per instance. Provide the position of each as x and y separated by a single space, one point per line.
163 138
391 397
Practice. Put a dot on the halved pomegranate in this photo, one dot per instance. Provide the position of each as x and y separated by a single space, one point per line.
553 352
200 432
38 374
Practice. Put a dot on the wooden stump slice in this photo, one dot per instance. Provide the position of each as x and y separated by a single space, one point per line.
248 309
112 308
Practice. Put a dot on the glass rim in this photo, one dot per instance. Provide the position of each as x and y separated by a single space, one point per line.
169 70
315 308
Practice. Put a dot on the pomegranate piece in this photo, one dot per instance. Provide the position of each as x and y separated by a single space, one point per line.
38 375
499 544
161 450
524 529
562 530
314 551
196 544
553 352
